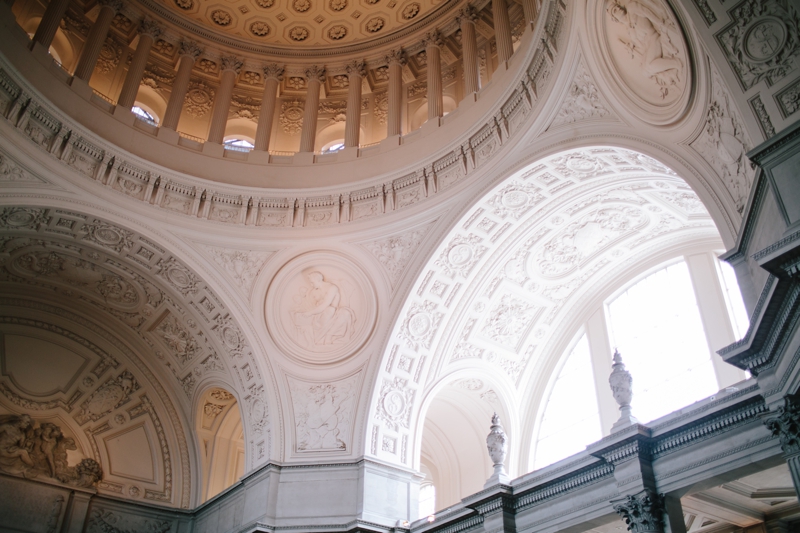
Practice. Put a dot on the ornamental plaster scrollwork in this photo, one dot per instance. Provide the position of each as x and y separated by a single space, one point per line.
583 100
323 414
242 266
321 307
723 143
394 404
395 252
111 395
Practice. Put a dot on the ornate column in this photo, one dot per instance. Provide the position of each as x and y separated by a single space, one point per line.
352 126
188 54
97 36
48 26
230 67
273 75
315 75
433 43
396 59
643 512
469 49
149 31
530 10
502 30
786 426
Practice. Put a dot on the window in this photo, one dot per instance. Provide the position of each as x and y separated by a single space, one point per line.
239 145
733 297
427 499
144 115
656 326
571 418
335 146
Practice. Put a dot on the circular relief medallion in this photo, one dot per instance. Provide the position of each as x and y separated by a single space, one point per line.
320 308
20 217
460 255
648 54
764 39
419 325
394 403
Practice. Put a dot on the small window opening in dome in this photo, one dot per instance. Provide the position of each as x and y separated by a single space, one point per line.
427 499
239 145
144 115
335 146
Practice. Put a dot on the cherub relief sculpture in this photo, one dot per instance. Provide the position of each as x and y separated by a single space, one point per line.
320 314
651 37
42 451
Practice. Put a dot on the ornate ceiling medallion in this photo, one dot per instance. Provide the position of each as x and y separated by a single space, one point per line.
184 4
410 11
645 50
221 18
337 32
338 5
320 308
298 33
259 28
301 6
375 25
265 3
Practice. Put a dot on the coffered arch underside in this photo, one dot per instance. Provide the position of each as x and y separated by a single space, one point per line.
178 328
505 288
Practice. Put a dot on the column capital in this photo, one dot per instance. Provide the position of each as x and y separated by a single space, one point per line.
643 512
151 28
231 63
116 5
395 56
356 68
433 38
273 71
316 72
190 48
466 14
786 426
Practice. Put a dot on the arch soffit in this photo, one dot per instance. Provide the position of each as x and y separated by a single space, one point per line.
197 334
425 329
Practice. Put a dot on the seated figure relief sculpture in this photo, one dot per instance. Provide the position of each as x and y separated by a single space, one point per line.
42 451
320 314
651 37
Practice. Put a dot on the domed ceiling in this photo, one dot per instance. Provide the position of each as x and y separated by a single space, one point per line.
306 23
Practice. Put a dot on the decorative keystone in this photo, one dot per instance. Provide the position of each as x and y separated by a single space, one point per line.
643 512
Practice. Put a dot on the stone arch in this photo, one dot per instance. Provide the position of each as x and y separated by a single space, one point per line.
462 307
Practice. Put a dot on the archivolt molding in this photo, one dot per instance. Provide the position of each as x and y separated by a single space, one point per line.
519 261
123 274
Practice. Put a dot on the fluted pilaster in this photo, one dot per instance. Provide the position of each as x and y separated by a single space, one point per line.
502 30
315 76
53 15
97 36
189 52
230 67
469 49
395 59
433 43
273 74
149 31
355 73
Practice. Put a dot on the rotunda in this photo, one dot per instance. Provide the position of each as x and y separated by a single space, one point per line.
284 264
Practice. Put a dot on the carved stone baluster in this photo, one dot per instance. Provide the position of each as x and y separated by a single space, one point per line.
230 67
188 53
786 426
315 76
97 36
273 75
149 31
355 73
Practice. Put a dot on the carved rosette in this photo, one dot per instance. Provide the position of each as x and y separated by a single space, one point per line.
786 426
642 512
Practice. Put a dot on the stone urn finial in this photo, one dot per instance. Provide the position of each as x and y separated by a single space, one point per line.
622 388
497 444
